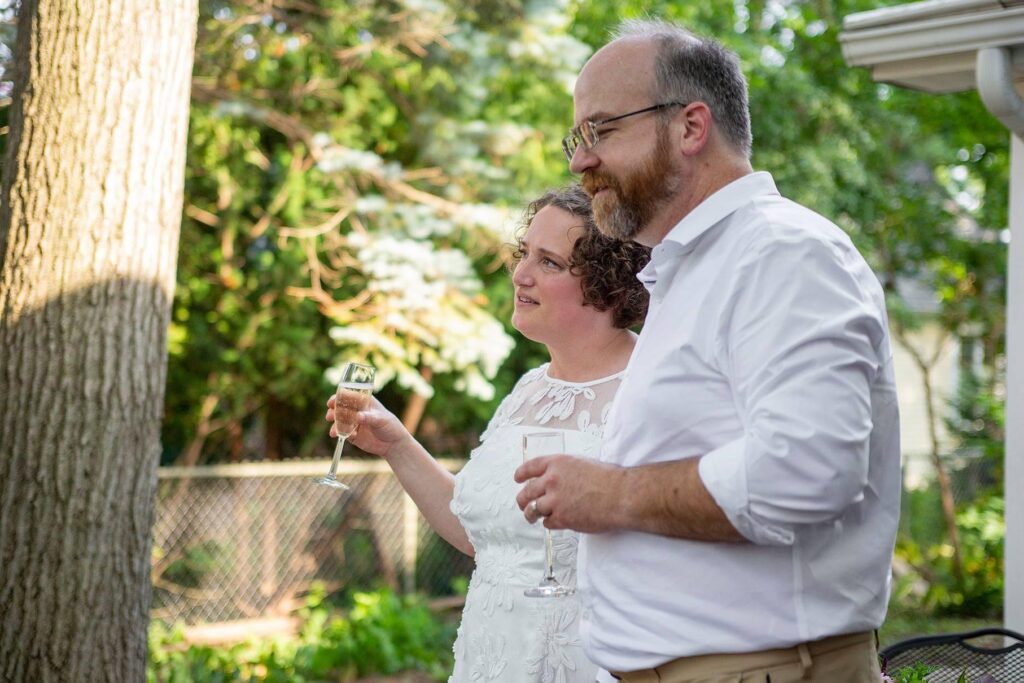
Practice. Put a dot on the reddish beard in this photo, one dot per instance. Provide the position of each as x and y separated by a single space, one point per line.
630 203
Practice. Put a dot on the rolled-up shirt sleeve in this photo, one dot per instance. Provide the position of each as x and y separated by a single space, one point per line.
800 342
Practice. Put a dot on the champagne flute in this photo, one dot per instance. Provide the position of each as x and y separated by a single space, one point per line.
352 396
536 444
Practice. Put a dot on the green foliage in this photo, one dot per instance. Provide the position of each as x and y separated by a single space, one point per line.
195 563
978 418
921 516
347 171
361 560
917 673
441 569
983 532
381 634
932 584
902 622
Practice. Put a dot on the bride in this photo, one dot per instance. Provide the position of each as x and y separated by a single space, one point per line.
576 292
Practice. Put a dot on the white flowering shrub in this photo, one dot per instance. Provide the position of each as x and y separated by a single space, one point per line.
424 306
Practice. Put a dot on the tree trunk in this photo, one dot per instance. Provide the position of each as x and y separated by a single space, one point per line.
89 221
926 366
945 484
413 412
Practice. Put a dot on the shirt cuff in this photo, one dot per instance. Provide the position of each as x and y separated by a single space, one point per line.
723 472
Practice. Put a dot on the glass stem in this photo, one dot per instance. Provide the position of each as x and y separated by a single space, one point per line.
337 458
549 547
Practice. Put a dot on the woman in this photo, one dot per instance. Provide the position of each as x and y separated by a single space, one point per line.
576 293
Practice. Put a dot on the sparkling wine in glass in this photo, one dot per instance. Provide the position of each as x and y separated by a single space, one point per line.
536 444
352 396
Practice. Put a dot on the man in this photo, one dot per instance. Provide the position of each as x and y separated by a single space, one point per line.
742 518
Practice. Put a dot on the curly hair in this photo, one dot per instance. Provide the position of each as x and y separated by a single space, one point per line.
606 267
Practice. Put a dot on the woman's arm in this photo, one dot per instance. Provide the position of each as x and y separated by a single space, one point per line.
429 484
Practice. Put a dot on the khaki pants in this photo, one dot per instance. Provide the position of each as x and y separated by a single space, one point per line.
851 658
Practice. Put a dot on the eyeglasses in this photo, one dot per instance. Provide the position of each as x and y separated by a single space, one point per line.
586 133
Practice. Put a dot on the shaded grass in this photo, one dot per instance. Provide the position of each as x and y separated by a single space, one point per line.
902 623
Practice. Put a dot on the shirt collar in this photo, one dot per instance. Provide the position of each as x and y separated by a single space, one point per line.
648 275
682 238
719 206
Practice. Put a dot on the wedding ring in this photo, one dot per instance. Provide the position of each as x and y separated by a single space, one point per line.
533 507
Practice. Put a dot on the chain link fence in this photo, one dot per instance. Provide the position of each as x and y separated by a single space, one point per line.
247 541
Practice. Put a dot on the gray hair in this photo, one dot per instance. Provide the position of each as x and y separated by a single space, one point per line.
692 68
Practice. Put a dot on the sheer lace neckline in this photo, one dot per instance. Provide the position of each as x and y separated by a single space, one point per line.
589 383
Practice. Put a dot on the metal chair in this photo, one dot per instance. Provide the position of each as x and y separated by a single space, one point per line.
990 655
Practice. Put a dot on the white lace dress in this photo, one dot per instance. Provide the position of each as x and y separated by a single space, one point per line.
504 635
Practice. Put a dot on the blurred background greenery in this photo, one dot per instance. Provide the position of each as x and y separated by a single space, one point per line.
355 168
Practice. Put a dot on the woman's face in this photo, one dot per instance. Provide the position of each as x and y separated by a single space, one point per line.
549 299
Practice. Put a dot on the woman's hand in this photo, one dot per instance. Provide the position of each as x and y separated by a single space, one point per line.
378 431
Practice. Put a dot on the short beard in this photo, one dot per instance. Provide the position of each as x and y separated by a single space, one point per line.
637 197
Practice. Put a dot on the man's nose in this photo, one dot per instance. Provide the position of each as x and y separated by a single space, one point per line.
582 159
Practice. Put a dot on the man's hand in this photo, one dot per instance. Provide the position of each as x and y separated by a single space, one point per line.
570 493
666 498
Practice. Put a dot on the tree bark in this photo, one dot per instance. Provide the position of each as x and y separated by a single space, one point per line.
89 222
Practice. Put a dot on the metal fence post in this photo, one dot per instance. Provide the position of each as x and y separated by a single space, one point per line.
410 544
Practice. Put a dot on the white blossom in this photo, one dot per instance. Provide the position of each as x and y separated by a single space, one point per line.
497 220
429 314
335 158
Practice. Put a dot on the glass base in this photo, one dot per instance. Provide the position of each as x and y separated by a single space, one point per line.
548 588
332 482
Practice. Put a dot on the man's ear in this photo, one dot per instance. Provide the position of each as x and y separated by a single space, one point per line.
694 127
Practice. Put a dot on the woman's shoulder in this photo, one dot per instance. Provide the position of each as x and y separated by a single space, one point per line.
539 372
508 412
530 378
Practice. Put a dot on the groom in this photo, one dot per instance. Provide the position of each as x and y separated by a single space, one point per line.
741 520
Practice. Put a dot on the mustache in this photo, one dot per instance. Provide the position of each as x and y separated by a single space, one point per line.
593 182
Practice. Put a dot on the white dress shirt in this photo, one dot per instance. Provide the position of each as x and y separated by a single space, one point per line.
766 351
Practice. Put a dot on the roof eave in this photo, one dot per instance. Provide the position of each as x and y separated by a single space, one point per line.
933 45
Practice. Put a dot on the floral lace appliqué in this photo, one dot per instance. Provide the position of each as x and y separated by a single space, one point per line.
500 570
565 544
489 656
558 644
562 401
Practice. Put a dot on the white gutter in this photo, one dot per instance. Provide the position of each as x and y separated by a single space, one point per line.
995 85
935 35
933 45
919 11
